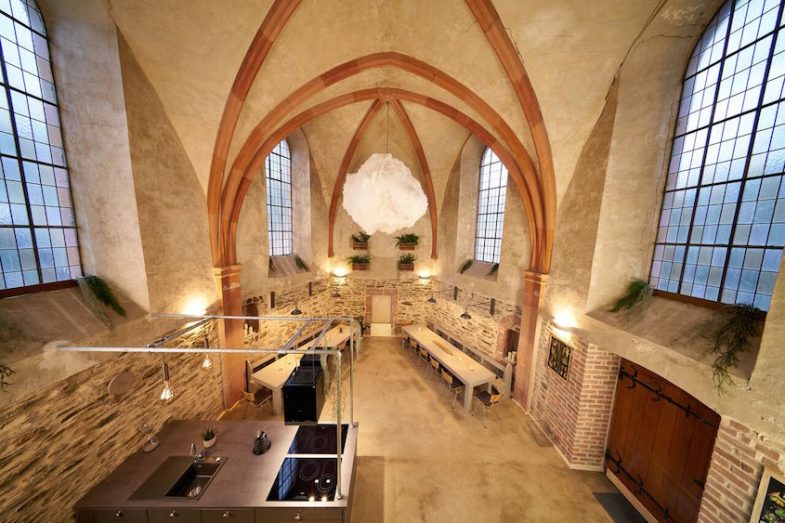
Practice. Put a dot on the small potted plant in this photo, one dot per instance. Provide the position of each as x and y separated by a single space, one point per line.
359 263
360 241
406 262
407 242
208 437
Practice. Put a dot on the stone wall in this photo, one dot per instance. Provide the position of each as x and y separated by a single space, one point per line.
575 413
481 332
737 464
77 433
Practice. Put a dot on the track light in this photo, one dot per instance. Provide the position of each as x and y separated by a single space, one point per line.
167 393
207 363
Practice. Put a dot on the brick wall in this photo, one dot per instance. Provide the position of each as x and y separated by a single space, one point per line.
575 413
737 463
76 432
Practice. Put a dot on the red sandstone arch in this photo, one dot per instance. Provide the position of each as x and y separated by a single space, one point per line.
349 154
246 156
426 173
488 19
271 27
382 93
347 157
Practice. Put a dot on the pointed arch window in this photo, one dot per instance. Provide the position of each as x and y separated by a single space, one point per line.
38 239
278 172
490 208
722 225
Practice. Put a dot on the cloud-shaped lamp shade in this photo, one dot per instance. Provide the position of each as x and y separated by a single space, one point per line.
383 195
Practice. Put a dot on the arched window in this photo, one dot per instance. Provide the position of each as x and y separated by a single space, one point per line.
490 208
38 243
722 226
278 168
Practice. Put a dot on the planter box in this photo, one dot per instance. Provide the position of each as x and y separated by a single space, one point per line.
405 266
407 246
359 246
359 266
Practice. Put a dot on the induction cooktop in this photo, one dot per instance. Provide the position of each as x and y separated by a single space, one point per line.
317 439
305 479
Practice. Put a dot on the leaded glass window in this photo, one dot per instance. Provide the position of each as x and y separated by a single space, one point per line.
722 225
278 168
38 241
490 208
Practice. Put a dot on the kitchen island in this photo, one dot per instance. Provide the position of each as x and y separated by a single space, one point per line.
240 490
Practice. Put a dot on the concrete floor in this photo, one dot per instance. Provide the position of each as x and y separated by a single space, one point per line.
420 460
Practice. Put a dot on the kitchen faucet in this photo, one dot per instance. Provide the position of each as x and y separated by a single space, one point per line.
197 456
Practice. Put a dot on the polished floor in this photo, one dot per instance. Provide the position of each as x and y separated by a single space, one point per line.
421 460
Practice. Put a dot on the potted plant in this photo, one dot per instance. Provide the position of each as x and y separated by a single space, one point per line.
360 240
208 437
406 262
407 242
359 263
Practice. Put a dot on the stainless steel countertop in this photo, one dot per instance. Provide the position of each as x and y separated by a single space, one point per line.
243 481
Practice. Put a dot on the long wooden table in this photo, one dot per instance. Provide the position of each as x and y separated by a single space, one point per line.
463 367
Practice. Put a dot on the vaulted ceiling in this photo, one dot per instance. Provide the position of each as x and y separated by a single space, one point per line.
442 52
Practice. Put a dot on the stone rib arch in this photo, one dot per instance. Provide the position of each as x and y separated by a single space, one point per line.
383 93
248 154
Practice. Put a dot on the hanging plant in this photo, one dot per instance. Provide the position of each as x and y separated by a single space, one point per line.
637 292
359 263
406 262
733 338
104 293
5 372
465 267
360 240
407 242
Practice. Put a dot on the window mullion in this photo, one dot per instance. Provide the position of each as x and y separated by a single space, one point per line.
28 210
755 121
705 149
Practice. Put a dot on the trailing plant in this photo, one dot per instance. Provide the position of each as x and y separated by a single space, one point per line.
361 237
637 292
361 322
104 293
5 372
407 239
300 263
733 338
359 259
466 266
208 434
494 269
270 265
407 259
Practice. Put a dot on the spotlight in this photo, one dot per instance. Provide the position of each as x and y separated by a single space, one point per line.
167 393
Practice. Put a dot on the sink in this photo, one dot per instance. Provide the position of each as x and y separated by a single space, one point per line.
178 477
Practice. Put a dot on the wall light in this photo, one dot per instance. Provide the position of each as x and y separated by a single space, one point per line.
296 311
207 363
564 320
340 272
424 275
432 299
195 306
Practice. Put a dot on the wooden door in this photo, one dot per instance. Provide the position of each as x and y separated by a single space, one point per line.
660 443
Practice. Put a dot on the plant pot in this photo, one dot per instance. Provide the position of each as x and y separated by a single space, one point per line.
359 266
407 246
207 443
359 246
405 266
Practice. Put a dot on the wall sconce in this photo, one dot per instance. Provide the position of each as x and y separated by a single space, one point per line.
564 320
424 276
340 272
167 393
207 362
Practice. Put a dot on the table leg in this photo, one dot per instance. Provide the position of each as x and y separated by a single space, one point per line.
468 394
278 401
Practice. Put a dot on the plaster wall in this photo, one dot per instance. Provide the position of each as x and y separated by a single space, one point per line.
171 205
85 58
